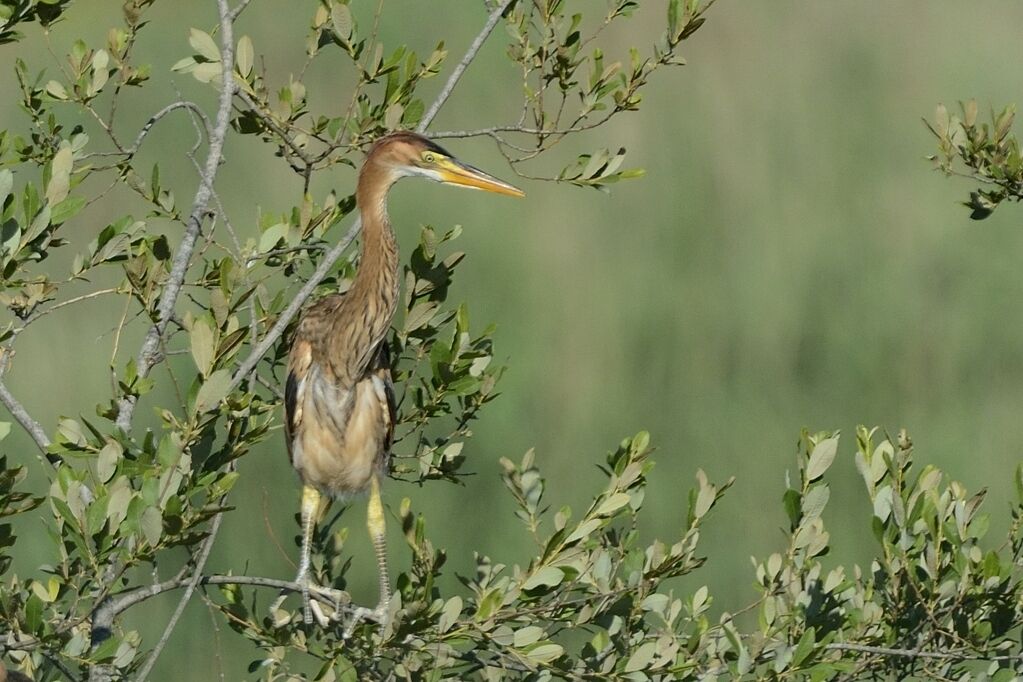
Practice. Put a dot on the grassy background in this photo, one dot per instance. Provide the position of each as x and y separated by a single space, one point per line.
789 260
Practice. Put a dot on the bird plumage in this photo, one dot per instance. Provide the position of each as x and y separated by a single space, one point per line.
339 399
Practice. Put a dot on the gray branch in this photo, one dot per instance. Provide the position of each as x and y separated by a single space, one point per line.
181 104
922 653
119 603
149 352
200 566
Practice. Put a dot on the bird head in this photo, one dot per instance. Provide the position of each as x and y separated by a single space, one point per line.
408 154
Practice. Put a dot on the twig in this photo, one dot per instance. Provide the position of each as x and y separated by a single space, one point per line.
519 129
119 603
285 251
200 565
238 10
470 54
59 665
920 653
71 301
147 355
334 254
181 104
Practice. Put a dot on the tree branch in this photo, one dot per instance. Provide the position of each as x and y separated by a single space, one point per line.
921 653
181 104
149 352
200 566
119 603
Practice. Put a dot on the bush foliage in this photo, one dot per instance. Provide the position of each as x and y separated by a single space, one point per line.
596 601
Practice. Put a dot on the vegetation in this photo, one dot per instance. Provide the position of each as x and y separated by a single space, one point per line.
207 306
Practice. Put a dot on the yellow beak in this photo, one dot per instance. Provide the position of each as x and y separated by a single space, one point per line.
457 173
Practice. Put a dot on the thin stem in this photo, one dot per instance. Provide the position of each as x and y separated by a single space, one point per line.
200 565
921 653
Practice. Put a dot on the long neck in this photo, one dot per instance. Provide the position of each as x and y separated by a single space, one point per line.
371 301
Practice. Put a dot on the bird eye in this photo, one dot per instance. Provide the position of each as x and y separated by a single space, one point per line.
429 158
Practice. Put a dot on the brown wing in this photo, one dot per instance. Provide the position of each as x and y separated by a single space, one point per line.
312 328
381 368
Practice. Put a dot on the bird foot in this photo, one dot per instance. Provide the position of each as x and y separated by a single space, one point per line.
380 615
315 599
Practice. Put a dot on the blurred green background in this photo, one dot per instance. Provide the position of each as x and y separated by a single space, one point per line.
789 260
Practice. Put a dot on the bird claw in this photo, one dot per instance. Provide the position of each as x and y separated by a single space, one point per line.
380 615
314 599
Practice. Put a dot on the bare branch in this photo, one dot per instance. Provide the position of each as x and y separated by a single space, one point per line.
518 129
470 54
922 653
239 9
148 353
200 565
119 603
182 104
59 665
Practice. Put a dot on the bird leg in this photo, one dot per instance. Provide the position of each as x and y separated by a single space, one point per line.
376 523
310 606
310 508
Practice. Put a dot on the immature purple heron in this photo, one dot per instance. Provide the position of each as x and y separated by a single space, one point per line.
339 400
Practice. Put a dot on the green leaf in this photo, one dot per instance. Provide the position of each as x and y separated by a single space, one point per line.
39 223
120 498
526 636
213 390
100 74
704 500
548 576
66 210
641 657
244 56
545 653
152 525
612 504
203 341
56 90
341 19
6 184
204 45
271 236
804 647
814 502
34 614
821 458
583 530
449 615
420 315
106 462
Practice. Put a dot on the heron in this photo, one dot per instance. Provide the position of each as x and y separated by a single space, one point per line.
339 398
